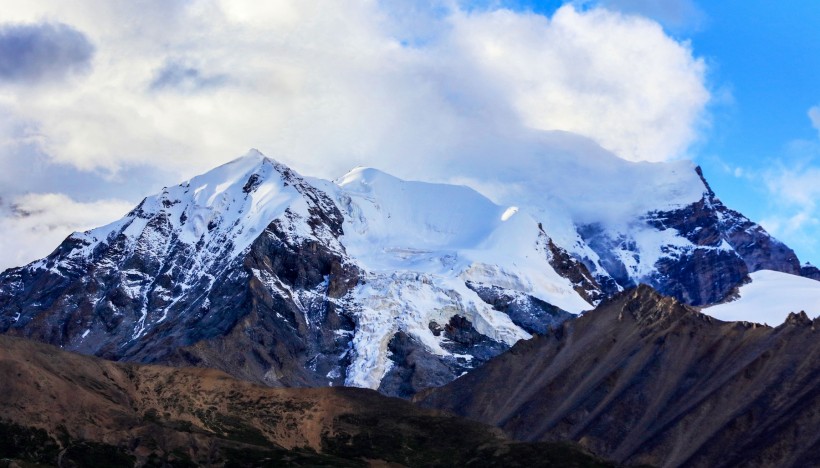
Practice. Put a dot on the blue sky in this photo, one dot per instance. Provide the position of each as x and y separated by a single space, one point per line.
104 102
765 56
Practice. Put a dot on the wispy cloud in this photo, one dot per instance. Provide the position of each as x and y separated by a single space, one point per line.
794 191
176 75
814 116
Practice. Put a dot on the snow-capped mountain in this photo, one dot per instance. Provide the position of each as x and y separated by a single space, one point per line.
374 281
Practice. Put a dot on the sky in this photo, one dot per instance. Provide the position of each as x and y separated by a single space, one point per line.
103 103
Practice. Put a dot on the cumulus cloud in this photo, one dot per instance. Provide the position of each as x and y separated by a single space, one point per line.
427 91
325 86
45 51
33 225
617 79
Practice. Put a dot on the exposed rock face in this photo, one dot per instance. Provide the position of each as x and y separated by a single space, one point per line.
582 280
810 271
415 368
531 314
644 379
706 250
84 411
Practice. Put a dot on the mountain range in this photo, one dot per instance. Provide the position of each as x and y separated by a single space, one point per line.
617 305
370 280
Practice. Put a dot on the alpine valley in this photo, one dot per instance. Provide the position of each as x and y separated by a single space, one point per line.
400 286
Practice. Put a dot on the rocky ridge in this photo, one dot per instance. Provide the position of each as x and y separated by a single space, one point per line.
645 379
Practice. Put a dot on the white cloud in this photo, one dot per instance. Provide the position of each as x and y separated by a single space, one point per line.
795 186
794 183
426 92
325 85
617 79
33 225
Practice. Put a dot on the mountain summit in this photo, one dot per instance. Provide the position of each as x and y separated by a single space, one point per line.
371 280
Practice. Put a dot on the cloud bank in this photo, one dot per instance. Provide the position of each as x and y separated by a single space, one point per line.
319 82
427 91
34 224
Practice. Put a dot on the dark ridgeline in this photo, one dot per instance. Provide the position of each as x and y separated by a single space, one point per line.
645 379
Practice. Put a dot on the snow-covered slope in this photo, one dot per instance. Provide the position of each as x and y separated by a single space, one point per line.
420 246
448 231
769 298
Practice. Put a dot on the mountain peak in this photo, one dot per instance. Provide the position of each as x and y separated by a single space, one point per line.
253 155
648 307
251 159
251 162
362 176
798 319
709 192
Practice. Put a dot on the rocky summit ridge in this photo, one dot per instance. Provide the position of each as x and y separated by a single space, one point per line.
370 280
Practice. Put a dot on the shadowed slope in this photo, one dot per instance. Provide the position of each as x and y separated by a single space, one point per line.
645 379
